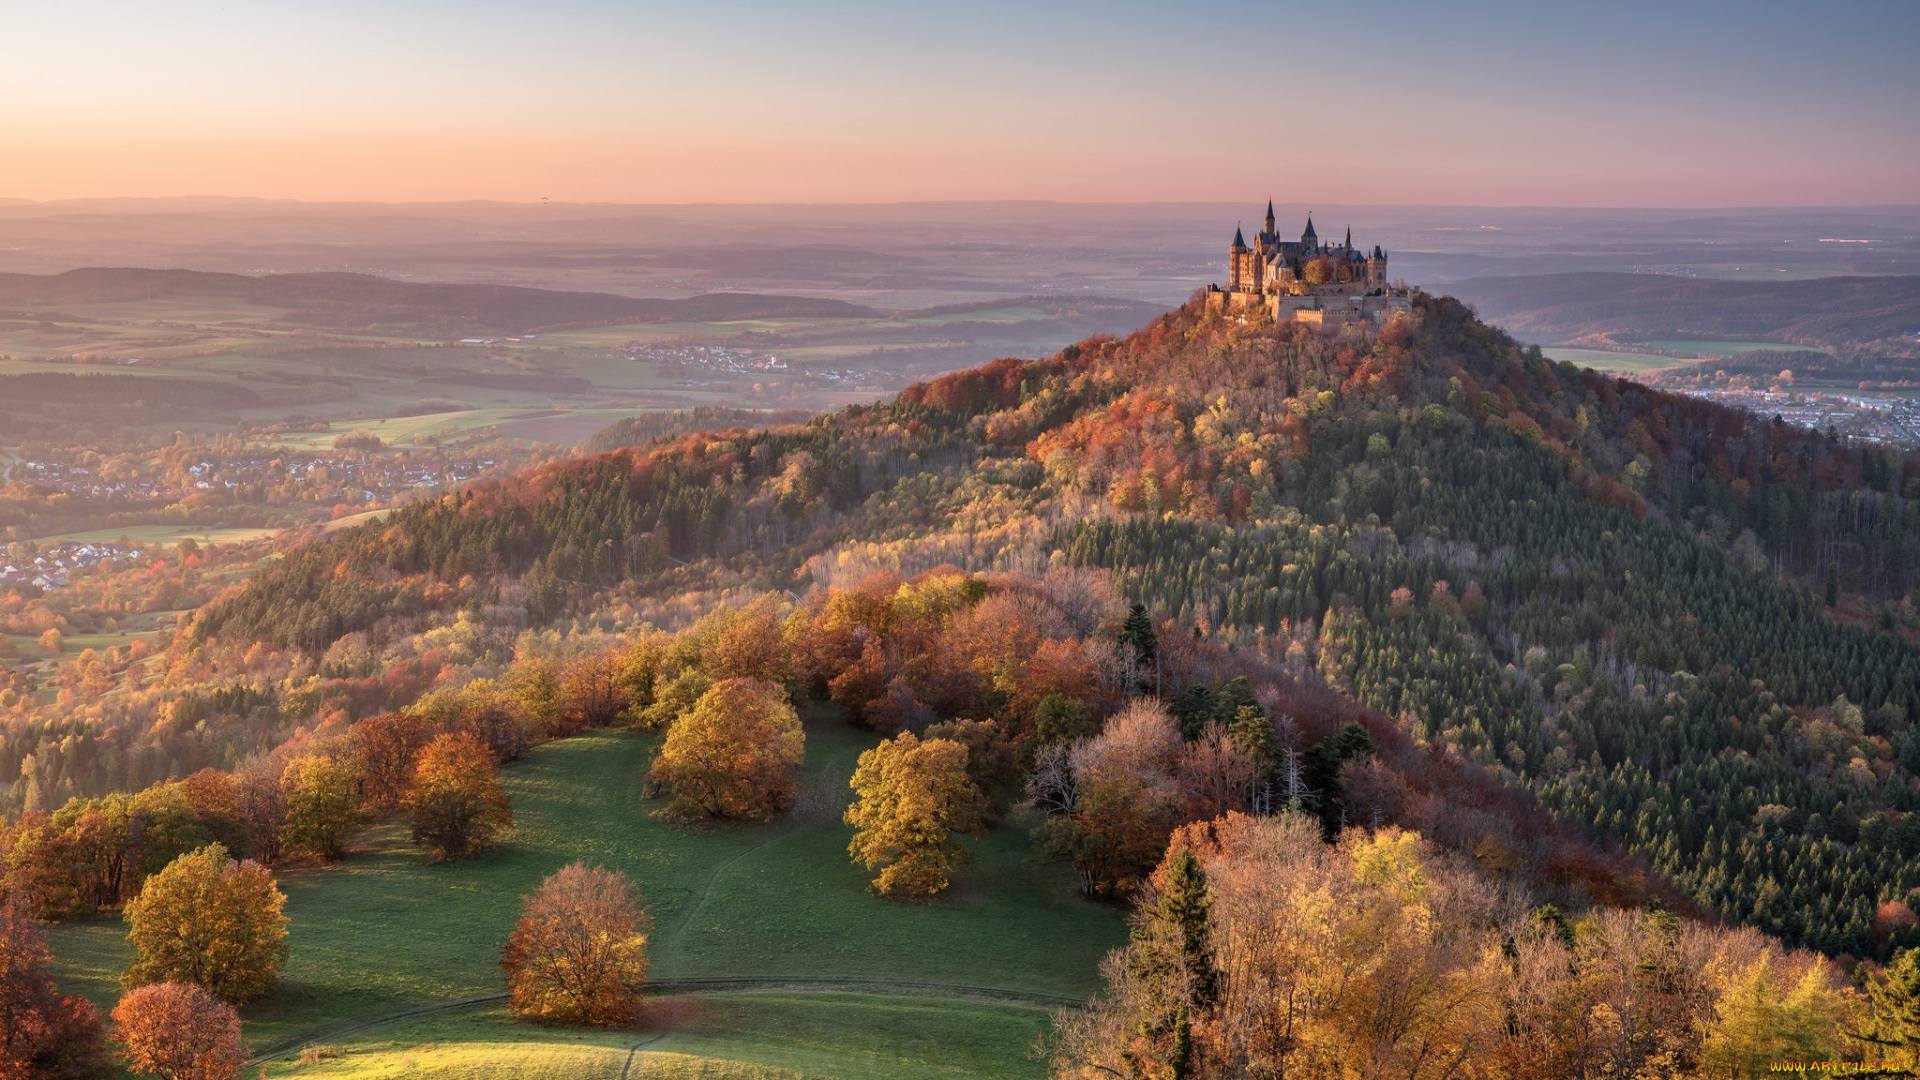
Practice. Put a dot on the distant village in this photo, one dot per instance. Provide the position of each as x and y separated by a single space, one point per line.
377 476
721 359
48 570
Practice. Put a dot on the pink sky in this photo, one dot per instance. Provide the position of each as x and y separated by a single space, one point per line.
585 102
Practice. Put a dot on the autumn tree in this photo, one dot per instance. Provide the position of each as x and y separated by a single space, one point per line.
263 810
735 755
579 952
210 921
1896 1010
178 1031
44 1035
592 693
217 803
913 796
383 751
455 799
1126 801
323 805
993 762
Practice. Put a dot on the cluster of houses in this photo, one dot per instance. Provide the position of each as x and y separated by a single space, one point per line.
1860 416
48 570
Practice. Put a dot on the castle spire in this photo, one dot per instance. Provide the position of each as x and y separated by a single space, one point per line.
1309 236
1239 242
1269 216
1349 238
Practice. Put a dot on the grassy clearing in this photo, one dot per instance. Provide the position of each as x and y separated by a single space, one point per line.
1603 360
1725 348
387 931
758 1036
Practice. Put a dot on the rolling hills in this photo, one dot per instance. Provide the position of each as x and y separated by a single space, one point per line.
343 301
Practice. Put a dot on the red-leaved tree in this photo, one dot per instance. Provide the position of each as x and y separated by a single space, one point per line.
579 953
43 1035
178 1031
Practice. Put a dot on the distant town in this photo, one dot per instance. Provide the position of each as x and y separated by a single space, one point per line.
1856 416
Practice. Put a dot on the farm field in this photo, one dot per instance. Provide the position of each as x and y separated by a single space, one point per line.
386 931
1619 362
1725 348
163 535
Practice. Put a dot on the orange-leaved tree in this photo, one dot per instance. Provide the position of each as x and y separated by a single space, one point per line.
579 952
736 755
455 800
180 1032
210 921
384 748
914 796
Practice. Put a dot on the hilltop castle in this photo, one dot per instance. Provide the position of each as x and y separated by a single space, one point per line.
1308 281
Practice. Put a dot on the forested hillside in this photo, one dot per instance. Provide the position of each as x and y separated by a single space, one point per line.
1566 611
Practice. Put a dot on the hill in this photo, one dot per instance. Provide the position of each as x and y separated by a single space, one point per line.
1605 599
387 933
363 302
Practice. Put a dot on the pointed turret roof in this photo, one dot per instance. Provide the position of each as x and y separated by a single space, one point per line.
1239 242
1349 238
1310 231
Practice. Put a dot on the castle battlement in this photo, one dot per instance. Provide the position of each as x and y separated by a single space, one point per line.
1307 281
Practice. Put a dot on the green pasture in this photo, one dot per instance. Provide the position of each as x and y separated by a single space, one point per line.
749 1036
1618 362
387 931
1725 348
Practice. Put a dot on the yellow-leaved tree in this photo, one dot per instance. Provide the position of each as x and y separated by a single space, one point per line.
737 754
913 796
323 805
209 921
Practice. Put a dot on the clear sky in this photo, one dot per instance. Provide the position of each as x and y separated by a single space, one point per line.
1531 102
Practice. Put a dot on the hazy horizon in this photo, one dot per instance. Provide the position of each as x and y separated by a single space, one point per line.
1487 104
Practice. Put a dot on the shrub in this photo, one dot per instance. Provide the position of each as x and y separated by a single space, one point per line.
209 921
579 953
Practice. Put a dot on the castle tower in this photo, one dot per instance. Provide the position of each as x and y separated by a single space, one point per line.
1310 240
1349 238
1236 258
1269 231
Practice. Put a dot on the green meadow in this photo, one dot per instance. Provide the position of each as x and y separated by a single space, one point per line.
1620 362
386 932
